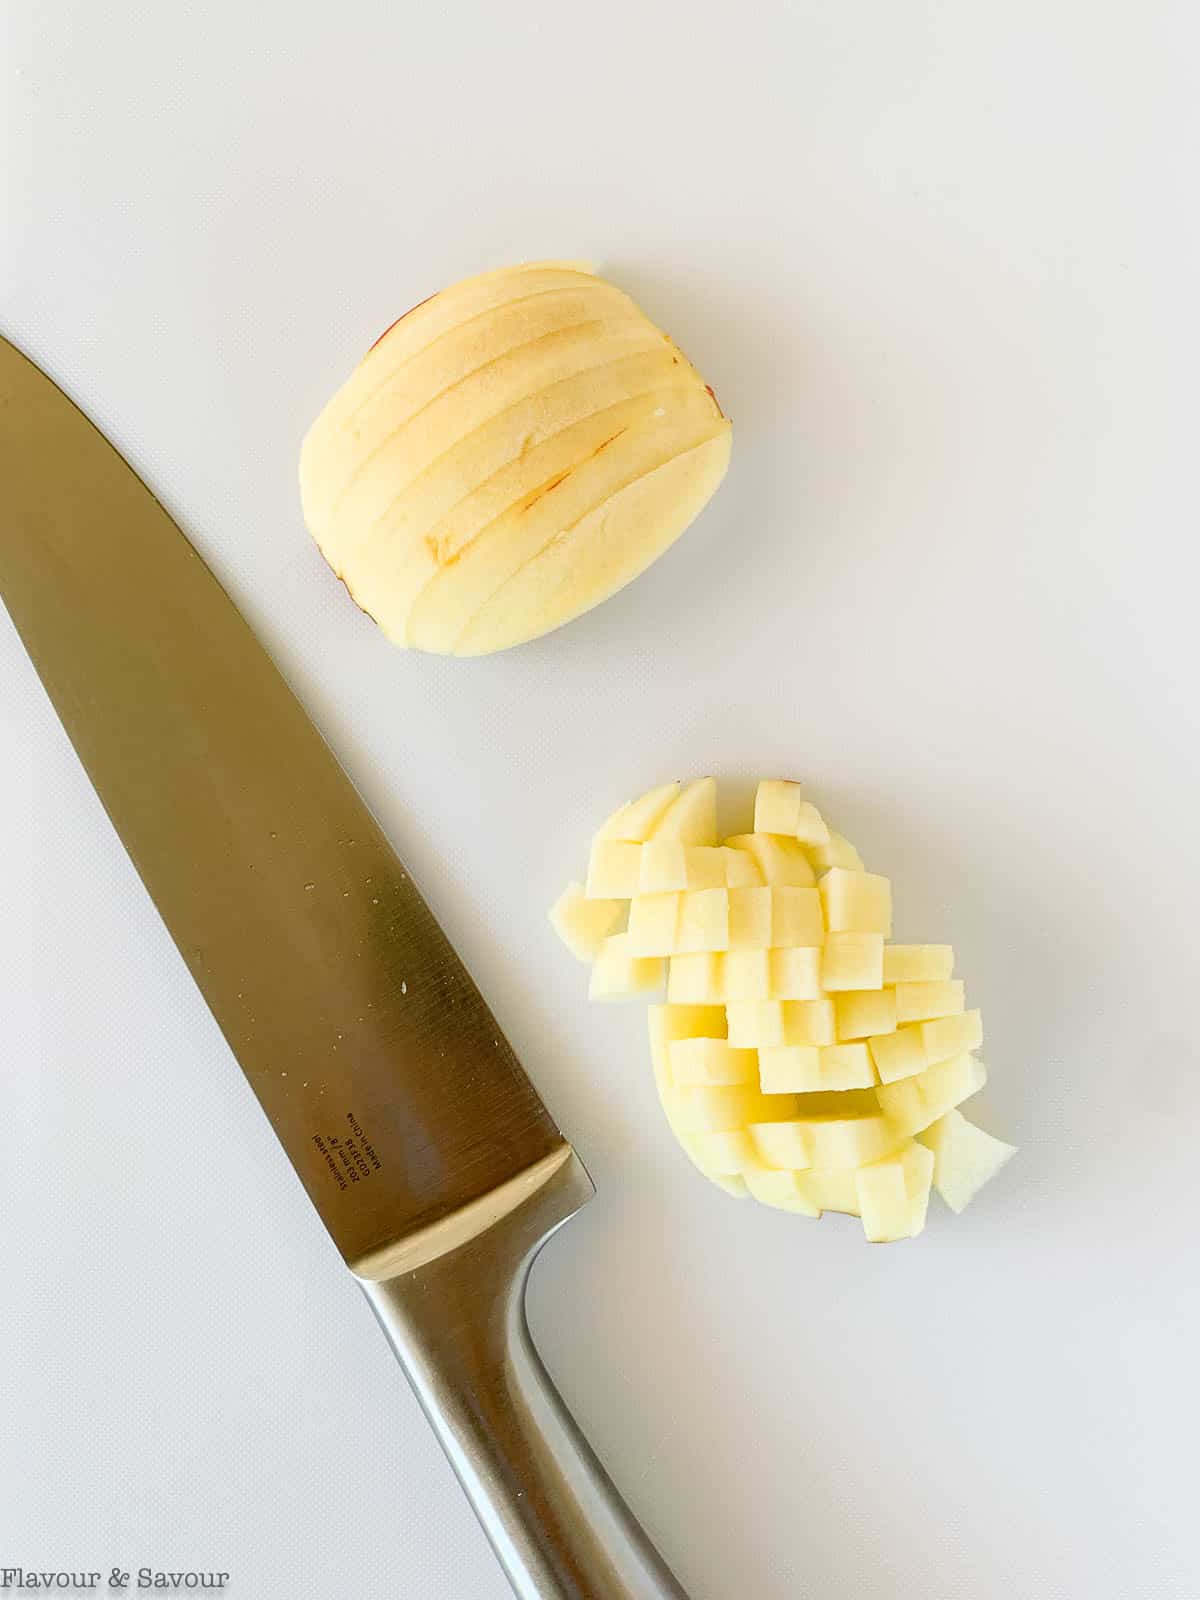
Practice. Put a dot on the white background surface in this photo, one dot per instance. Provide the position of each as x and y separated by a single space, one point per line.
940 262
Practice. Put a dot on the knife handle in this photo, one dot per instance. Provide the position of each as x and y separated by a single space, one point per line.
458 1325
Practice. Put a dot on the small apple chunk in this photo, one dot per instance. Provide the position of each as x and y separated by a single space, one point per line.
964 1158
917 963
636 821
925 1002
856 902
714 1062
618 974
835 852
614 870
583 924
894 1194
780 860
780 807
852 961
863 1012
692 815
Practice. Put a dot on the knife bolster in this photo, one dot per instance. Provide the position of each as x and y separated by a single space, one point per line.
457 1322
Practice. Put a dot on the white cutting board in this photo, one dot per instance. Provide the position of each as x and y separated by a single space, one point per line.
940 262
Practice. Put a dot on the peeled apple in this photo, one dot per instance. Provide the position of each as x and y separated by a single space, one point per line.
511 452
801 1058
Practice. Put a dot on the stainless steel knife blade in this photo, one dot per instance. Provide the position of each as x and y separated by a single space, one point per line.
382 1070
424 1147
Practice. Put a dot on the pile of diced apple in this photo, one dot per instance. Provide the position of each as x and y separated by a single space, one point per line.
800 1057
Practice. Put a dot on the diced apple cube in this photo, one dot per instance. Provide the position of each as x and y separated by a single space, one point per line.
951 1036
965 1157
837 852
692 816
913 1104
863 1012
750 919
831 1191
790 1069
898 1055
703 1108
731 1153
786 1191
852 961
618 973
614 871
845 1066
922 1002
810 1022
637 820
836 1142
780 860
697 980
758 1024
662 867
781 1144
584 924
795 973
780 807
904 1104
949 1083
755 1024
748 975
917 963
796 920
742 871
893 1194
711 1061
653 924
704 920
671 1022
856 902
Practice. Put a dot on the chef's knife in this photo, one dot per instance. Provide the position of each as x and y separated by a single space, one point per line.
434 1165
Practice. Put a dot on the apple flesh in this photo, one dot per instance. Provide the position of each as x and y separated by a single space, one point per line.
801 1058
507 455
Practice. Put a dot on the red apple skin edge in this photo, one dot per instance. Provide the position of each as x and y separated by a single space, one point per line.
400 319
